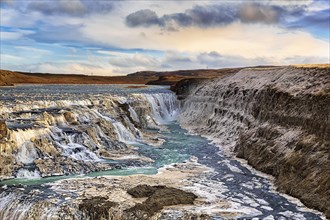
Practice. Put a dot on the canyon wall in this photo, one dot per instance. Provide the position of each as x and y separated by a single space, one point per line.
278 119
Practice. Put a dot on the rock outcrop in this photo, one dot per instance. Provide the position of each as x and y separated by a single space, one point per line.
278 119
111 197
157 198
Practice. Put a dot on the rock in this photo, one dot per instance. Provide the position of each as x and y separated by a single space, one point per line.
61 165
3 130
70 117
96 208
45 147
7 166
143 191
158 197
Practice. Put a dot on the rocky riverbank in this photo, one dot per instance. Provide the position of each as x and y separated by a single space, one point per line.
174 193
276 118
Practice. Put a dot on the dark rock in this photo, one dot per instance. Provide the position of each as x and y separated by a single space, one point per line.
141 191
183 88
3 130
158 197
96 208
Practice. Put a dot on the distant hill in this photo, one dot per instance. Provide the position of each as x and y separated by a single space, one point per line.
172 77
8 78
207 73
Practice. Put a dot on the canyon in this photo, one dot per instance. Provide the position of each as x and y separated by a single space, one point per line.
278 119
109 152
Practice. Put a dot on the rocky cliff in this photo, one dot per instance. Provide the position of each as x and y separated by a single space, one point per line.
277 118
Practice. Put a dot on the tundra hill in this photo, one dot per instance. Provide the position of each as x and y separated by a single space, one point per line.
8 78
172 77
196 73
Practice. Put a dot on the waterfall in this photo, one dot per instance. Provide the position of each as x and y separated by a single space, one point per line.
62 137
164 107
66 135
27 153
24 173
124 135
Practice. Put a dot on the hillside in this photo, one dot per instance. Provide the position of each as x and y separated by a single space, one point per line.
8 78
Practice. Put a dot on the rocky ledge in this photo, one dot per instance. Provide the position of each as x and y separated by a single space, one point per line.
278 119
166 195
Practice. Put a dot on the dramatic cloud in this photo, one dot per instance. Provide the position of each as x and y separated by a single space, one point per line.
144 17
215 15
118 37
254 12
319 19
63 7
203 16
73 7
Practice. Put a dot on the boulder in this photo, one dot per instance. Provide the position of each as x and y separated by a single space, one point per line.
158 197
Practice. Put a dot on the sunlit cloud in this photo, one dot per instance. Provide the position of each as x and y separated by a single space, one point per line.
120 37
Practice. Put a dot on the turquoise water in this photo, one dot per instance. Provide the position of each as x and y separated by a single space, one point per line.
178 147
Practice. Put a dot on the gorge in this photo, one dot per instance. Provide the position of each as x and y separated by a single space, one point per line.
109 152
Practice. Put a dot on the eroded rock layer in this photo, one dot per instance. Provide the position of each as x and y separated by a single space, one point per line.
278 119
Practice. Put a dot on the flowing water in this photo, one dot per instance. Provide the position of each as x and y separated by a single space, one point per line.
250 192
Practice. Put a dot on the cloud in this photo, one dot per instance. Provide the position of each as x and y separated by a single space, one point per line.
319 19
53 34
182 35
6 2
72 7
211 15
136 60
76 8
206 16
64 68
214 59
5 35
203 16
144 17
254 12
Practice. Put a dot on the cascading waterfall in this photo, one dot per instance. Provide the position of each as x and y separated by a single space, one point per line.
124 135
61 137
82 131
24 173
164 107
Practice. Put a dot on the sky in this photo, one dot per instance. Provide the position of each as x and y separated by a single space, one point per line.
104 37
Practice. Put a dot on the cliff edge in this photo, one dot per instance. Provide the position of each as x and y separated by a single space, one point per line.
276 118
